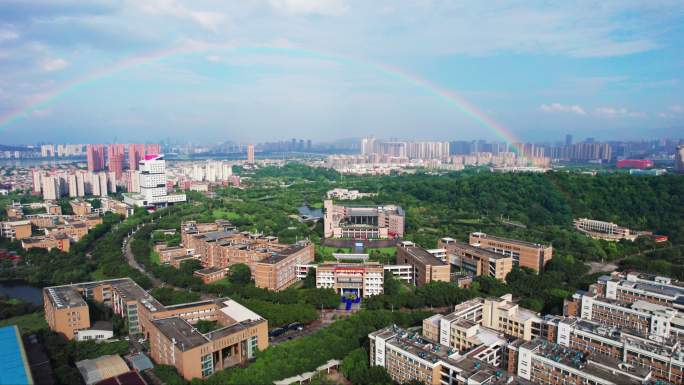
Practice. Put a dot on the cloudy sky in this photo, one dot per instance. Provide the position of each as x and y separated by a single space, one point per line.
258 70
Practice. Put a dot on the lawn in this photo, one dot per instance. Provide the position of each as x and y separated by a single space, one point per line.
325 253
28 323
154 256
384 255
221 282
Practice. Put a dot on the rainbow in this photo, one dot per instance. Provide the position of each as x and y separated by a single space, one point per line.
41 101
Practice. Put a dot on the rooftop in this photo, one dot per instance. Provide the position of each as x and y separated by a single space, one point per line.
14 367
281 255
64 296
209 270
180 332
484 253
593 364
509 240
423 256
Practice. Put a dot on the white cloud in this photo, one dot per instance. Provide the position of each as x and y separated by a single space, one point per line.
41 113
206 19
617 112
54 64
557 107
7 35
310 7
671 112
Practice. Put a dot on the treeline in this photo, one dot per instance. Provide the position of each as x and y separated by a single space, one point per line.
546 204
12 308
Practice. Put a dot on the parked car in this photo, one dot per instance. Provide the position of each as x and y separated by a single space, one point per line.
276 332
295 326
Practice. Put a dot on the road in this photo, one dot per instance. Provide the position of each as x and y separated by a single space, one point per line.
126 248
156 282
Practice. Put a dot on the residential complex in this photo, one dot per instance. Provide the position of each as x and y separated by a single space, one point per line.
476 261
607 231
525 254
362 222
73 183
426 267
272 263
169 329
250 153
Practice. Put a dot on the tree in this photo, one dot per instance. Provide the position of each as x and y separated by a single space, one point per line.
391 285
356 369
240 274
310 280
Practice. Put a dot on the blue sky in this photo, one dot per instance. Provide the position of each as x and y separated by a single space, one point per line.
258 70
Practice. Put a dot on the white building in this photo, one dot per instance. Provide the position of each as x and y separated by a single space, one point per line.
51 188
152 181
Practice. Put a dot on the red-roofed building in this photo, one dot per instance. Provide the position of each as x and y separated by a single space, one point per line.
635 163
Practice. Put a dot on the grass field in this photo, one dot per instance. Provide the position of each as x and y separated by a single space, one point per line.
325 253
154 256
28 323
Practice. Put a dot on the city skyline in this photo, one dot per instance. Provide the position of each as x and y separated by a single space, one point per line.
326 70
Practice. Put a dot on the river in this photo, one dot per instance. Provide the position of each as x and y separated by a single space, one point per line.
22 290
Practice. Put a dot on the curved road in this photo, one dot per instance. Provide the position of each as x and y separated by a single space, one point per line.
130 258
126 248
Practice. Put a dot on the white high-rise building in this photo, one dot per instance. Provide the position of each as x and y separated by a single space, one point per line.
36 181
152 180
133 181
111 176
51 187
73 185
102 177
80 183
94 182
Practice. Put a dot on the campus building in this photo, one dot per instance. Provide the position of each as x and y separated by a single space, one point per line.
278 272
346 194
16 230
408 356
499 314
524 348
152 182
211 274
58 241
358 279
169 329
476 261
649 318
544 362
426 266
665 359
362 222
635 286
272 263
607 231
525 254
81 207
